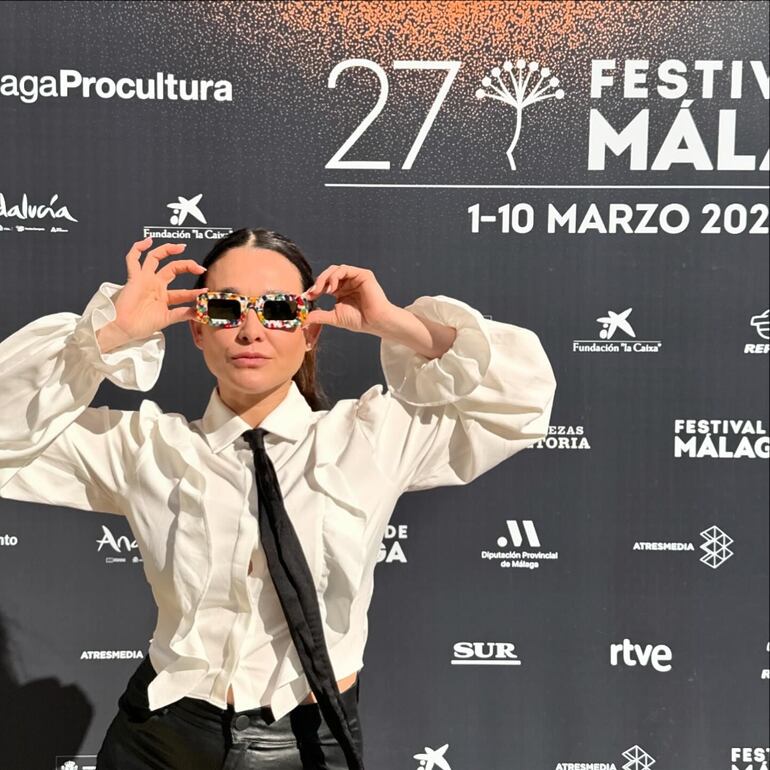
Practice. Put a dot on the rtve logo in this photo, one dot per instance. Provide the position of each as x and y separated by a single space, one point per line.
629 654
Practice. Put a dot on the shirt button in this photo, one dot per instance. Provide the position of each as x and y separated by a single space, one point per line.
241 722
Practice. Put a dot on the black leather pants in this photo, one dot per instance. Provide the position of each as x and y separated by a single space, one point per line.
192 734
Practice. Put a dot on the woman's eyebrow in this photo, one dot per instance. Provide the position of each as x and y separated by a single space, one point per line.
238 291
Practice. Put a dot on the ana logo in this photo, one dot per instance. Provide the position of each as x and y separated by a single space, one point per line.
716 551
540 90
181 209
433 759
638 759
611 324
121 544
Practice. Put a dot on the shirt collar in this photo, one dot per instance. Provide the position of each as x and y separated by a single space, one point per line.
221 426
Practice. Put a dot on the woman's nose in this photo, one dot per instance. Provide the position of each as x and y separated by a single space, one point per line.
251 324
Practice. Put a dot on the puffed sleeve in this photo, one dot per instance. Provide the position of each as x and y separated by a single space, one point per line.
444 421
54 447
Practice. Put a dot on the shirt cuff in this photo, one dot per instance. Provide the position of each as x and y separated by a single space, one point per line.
133 366
423 381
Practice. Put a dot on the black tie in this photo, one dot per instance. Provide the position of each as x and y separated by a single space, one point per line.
295 587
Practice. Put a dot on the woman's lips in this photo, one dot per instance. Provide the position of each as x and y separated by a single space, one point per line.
250 361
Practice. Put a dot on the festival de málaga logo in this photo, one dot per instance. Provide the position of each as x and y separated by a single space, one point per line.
726 438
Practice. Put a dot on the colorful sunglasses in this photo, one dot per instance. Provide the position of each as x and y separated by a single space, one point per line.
275 310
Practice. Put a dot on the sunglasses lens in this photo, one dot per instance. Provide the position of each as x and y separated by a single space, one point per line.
224 309
280 309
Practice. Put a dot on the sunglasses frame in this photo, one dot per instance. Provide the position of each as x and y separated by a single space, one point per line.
304 306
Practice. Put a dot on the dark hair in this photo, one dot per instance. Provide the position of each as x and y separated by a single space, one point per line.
260 238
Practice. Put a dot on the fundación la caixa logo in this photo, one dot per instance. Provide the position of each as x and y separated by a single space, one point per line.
186 210
613 323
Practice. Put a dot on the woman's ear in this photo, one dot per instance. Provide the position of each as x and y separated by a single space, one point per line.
195 330
311 332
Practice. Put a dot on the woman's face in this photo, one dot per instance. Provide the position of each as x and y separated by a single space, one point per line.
253 271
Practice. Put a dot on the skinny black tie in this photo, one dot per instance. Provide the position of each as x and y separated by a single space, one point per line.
295 587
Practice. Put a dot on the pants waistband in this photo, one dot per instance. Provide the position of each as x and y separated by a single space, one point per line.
201 708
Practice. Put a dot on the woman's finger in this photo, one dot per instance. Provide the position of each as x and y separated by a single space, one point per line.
177 296
327 277
132 257
321 277
161 252
177 267
177 314
319 316
342 272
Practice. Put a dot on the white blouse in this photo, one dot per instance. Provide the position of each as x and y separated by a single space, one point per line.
188 489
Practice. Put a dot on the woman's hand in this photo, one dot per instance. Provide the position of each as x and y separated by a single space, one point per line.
361 304
142 305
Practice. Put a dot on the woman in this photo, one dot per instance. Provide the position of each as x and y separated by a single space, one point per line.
270 492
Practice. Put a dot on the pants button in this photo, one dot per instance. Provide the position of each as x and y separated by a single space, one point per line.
241 722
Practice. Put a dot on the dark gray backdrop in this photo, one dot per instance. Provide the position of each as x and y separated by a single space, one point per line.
606 480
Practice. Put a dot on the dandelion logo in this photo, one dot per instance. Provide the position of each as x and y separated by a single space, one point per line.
520 99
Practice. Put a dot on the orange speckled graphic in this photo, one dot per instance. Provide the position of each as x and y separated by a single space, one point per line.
474 31
304 40
280 55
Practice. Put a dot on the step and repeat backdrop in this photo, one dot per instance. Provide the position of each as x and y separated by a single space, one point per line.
596 172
